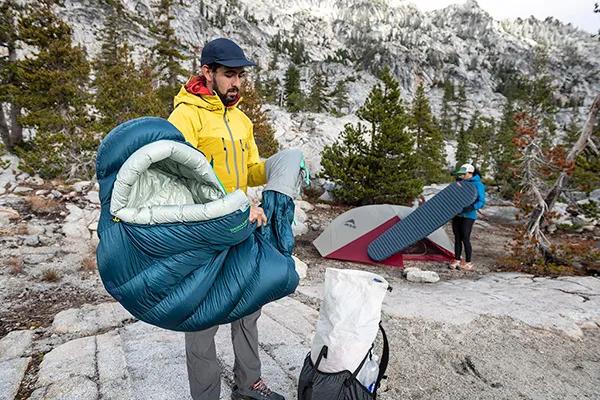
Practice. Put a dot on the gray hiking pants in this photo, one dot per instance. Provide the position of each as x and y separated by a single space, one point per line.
204 373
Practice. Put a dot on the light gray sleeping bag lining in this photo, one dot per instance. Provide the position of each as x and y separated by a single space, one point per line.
168 182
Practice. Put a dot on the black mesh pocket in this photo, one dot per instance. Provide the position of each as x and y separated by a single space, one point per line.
316 385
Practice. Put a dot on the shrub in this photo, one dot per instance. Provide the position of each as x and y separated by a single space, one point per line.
50 275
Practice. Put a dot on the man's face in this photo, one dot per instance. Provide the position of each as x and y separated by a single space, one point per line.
225 81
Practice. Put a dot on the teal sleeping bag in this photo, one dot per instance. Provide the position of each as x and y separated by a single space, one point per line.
175 249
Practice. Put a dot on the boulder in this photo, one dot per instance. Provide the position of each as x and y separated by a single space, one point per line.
8 215
299 215
301 267
15 344
326 196
76 230
75 213
507 215
299 229
304 205
93 197
55 194
419 276
22 189
81 186
299 226
35 180
405 271
90 319
31 240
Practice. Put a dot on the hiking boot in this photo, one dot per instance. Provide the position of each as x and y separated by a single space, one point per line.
454 264
468 266
258 391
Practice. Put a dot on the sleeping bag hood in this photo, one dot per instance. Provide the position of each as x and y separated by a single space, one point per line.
175 249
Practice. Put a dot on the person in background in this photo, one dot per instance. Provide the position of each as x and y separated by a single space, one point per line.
462 224
206 114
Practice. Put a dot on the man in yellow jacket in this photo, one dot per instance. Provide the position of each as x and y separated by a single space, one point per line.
206 113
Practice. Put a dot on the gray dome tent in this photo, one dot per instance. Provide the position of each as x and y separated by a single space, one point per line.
348 236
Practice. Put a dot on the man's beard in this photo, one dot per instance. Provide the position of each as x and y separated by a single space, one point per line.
230 97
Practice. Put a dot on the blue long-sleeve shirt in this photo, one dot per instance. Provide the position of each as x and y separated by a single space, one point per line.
471 211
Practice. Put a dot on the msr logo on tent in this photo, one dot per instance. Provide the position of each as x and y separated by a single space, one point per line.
350 223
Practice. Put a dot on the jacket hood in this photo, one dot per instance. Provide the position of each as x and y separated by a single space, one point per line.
475 178
195 93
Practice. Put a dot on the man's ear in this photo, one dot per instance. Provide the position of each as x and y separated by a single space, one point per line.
206 73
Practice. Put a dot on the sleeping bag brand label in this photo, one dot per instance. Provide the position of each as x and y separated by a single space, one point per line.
238 228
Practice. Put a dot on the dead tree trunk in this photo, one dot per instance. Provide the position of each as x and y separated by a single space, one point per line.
11 131
537 217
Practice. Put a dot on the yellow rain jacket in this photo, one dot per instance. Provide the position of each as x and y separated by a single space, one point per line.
224 135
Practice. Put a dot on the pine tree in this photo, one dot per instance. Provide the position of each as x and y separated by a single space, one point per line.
532 100
123 91
445 121
263 130
482 138
374 161
429 142
269 90
463 147
168 53
54 94
506 152
340 97
318 100
460 108
294 99
572 130
586 175
298 52
11 131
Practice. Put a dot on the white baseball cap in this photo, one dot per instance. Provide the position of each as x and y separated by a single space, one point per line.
465 168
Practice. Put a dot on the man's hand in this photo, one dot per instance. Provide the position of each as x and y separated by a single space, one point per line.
257 214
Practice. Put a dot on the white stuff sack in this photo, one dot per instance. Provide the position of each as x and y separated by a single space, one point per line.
349 318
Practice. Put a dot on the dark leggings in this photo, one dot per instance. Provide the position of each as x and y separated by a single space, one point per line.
461 227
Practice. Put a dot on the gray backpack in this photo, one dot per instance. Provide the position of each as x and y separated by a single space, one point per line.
316 385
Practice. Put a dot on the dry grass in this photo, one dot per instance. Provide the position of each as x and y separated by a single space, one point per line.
15 265
50 275
88 264
43 206
13 230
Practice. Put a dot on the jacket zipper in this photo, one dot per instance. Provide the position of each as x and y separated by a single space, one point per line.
235 164
226 155
243 151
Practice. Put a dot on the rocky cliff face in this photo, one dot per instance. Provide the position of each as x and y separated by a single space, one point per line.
349 39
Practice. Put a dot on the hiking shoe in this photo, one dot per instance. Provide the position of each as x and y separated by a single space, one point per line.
468 267
258 391
454 264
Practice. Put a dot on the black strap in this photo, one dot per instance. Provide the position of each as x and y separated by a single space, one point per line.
357 370
385 358
322 353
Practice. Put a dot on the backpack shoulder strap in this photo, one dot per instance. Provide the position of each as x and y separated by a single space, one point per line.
385 358
322 353
357 370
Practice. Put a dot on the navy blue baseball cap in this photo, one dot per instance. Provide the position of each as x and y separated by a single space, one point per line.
225 52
